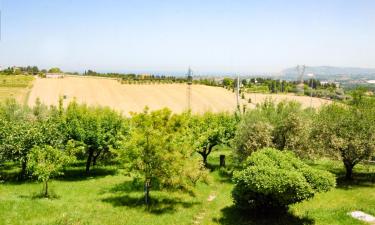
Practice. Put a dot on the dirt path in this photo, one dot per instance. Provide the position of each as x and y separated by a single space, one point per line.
202 215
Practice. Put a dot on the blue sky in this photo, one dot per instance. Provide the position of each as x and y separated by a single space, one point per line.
166 36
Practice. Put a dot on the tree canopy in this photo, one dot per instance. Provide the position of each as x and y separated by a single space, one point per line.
346 132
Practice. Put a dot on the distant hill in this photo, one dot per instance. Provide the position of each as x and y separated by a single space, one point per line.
330 72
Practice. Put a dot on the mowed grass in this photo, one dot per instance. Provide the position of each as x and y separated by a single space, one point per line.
15 86
109 197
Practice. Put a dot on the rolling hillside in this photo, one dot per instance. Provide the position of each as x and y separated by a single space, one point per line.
134 98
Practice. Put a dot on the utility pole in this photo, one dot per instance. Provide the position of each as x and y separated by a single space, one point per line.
300 73
311 75
238 92
188 91
255 93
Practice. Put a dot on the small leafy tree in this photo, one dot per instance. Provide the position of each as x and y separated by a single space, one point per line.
157 151
98 128
275 179
252 136
46 162
283 126
55 70
210 130
292 133
23 129
346 132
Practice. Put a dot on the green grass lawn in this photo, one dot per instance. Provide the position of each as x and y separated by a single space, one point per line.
109 197
15 86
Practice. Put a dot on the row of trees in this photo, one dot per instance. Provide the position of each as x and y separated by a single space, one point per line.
160 148
29 70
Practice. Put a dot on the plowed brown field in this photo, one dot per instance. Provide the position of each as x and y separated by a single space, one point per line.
131 97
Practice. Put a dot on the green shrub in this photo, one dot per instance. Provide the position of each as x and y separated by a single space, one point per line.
276 179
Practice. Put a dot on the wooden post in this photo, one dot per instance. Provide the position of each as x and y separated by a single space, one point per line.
222 160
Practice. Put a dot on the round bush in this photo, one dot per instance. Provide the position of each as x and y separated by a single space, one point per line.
276 179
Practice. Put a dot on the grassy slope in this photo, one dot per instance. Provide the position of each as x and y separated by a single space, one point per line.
109 198
17 87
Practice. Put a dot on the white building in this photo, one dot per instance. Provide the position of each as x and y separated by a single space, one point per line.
54 75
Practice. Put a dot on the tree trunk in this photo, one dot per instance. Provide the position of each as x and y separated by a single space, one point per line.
88 163
23 172
147 193
95 157
204 158
205 152
349 171
222 160
45 189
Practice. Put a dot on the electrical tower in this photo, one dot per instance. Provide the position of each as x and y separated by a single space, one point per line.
300 73
188 91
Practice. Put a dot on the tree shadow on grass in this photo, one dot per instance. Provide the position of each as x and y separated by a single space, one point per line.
360 179
41 195
129 194
235 216
158 205
78 173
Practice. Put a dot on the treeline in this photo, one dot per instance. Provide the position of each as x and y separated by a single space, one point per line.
29 70
132 78
268 85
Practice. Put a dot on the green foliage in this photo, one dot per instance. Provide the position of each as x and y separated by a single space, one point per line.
276 179
20 81
252 136
284 126
46 162
228 82
99 129
55 70
209 130
23 129
158 151
346 132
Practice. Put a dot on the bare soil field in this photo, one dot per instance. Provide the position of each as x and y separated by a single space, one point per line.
134 97
304 100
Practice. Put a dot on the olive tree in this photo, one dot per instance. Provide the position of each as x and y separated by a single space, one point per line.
346 132
284 126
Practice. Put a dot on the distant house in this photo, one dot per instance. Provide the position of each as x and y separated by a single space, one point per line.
54 75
